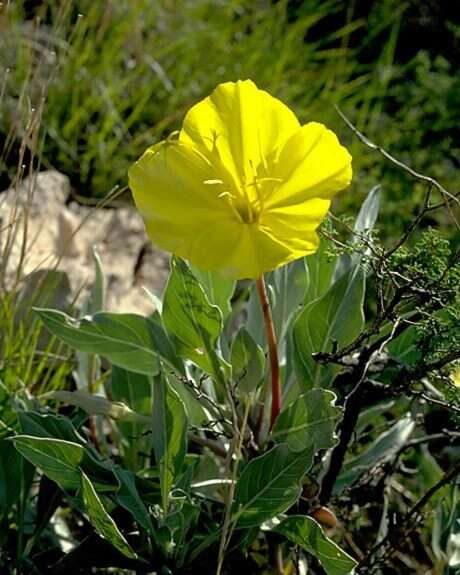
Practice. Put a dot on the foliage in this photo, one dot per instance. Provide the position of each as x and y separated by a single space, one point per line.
165 458
135 444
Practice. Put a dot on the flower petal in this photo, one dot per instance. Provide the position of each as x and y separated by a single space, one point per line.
294 226
239 250
170 191
312 164
240 126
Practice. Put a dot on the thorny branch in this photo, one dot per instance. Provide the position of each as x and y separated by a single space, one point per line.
352 409
422 177
382 550
393 317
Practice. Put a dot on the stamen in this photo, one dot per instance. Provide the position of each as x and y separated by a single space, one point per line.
213 182
262 157
279 180
173 136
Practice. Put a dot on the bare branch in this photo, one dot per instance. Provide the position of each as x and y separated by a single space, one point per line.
422 177
406 524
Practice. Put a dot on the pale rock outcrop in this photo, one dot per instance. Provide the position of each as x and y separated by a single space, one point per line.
61 235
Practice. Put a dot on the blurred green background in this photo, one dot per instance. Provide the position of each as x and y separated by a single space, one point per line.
107 79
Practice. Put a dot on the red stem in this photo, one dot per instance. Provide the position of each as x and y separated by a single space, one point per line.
272 350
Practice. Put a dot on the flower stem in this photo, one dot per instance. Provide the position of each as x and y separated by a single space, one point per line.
272 350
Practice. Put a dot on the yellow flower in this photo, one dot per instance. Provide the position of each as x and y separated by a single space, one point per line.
455 376
243 187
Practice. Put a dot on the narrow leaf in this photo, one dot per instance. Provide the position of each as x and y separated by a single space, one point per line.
363 226
136 391
97 297
307 533
98 405
101 520
383 449
248 362
218 288
187 312
270 485
58 459
191 319
336 318
49 425
320 267
129 498
169 427
309 421
14 475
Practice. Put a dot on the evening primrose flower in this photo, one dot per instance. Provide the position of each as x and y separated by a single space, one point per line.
243 186
455 376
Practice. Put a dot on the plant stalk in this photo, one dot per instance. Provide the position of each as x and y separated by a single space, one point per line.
272 350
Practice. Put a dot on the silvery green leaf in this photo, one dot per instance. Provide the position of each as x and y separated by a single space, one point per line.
127 340
270 485
308 534
169 434
101 520
309 421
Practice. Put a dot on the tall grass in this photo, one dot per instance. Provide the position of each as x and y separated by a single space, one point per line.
120 75
30 361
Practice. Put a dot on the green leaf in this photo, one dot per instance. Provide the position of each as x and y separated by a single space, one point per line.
270 485
405 348
320 267
187 312
8 416
136 391
57 427
305 532
169 434
218 288
156 301
375 415
289 284
189 316
16 474
180 522
133 389
309 421
49 425
383 449
336 318
163 345
128 497
127 340
196 413
101 520
248 362
363 226
369 211
58 459
98 405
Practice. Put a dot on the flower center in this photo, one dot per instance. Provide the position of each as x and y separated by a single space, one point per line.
249 212
247 200
246 195
250 204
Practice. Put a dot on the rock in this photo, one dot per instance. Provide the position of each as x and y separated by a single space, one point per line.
62 237
67 240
